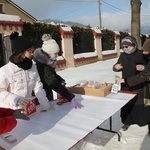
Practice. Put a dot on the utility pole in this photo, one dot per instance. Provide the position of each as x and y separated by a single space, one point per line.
100 18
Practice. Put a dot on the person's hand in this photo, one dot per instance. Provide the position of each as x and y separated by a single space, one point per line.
120 80
22 102
118 66
18 114
63 83
140 67
76 104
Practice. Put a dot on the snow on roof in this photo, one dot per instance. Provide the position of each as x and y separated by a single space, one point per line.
66 28
118 33
4 17
97 30
146 35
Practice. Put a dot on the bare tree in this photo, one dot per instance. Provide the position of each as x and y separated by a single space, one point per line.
135 20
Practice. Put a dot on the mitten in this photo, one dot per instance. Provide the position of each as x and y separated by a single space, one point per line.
75 104
18 114
22 101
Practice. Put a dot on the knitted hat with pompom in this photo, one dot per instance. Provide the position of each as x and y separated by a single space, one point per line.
19 44
49 45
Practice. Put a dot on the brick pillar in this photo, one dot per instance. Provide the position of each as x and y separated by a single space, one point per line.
117 42
98 43
67 45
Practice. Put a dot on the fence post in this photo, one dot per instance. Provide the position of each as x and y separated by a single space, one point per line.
67 45
117 43
98 42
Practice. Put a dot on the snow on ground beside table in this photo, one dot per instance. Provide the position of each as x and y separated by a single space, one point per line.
135 138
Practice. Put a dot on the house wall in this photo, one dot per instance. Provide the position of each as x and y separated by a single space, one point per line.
12 10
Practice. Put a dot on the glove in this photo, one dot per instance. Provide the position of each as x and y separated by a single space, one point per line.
22 101
18 114
63 83
76 104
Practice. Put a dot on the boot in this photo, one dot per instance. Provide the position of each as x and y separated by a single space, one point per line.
125 127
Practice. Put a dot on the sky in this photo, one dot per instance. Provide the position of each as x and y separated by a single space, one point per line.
115 14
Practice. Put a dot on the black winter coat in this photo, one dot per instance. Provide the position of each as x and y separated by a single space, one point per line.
143 77
129 63
140 78
134 111
50 79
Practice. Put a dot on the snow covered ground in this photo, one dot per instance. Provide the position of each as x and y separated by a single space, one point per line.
135 138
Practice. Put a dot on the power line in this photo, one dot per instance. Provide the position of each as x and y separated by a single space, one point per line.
74 0
115 7
73 10
112 6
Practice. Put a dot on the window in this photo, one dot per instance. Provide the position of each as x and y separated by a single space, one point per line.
1 8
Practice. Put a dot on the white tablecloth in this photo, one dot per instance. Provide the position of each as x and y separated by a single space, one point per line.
65 126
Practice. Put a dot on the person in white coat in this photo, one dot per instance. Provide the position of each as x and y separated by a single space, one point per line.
19 78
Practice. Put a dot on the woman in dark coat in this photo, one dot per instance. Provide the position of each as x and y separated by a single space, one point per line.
131 62
142 77
46 60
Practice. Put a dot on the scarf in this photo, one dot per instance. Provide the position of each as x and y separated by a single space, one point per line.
25 63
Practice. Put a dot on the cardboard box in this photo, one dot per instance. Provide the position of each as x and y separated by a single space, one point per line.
92 91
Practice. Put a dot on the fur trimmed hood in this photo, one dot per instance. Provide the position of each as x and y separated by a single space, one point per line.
42 57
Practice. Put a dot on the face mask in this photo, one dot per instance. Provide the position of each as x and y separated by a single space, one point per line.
54 58
128 51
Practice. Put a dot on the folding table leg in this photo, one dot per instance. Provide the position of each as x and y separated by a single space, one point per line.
110 130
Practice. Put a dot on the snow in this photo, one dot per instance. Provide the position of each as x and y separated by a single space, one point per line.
135 138
89 54
117 32
4 17
82 55
66 28
97 30
86 55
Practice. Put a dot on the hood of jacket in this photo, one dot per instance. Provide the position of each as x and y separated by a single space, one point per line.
42 57
133 40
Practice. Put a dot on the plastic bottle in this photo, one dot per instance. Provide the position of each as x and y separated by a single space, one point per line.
116 86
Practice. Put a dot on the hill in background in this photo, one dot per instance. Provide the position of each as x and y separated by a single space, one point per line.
144 29
63 22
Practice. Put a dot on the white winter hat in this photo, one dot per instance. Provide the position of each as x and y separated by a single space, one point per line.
49 45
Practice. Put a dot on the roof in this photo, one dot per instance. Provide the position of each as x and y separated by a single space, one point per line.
13 18
10 21
23 11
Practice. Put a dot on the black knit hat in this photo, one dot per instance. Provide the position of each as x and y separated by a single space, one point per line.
19 44
146 45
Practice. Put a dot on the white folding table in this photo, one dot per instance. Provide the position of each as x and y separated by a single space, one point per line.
62 128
